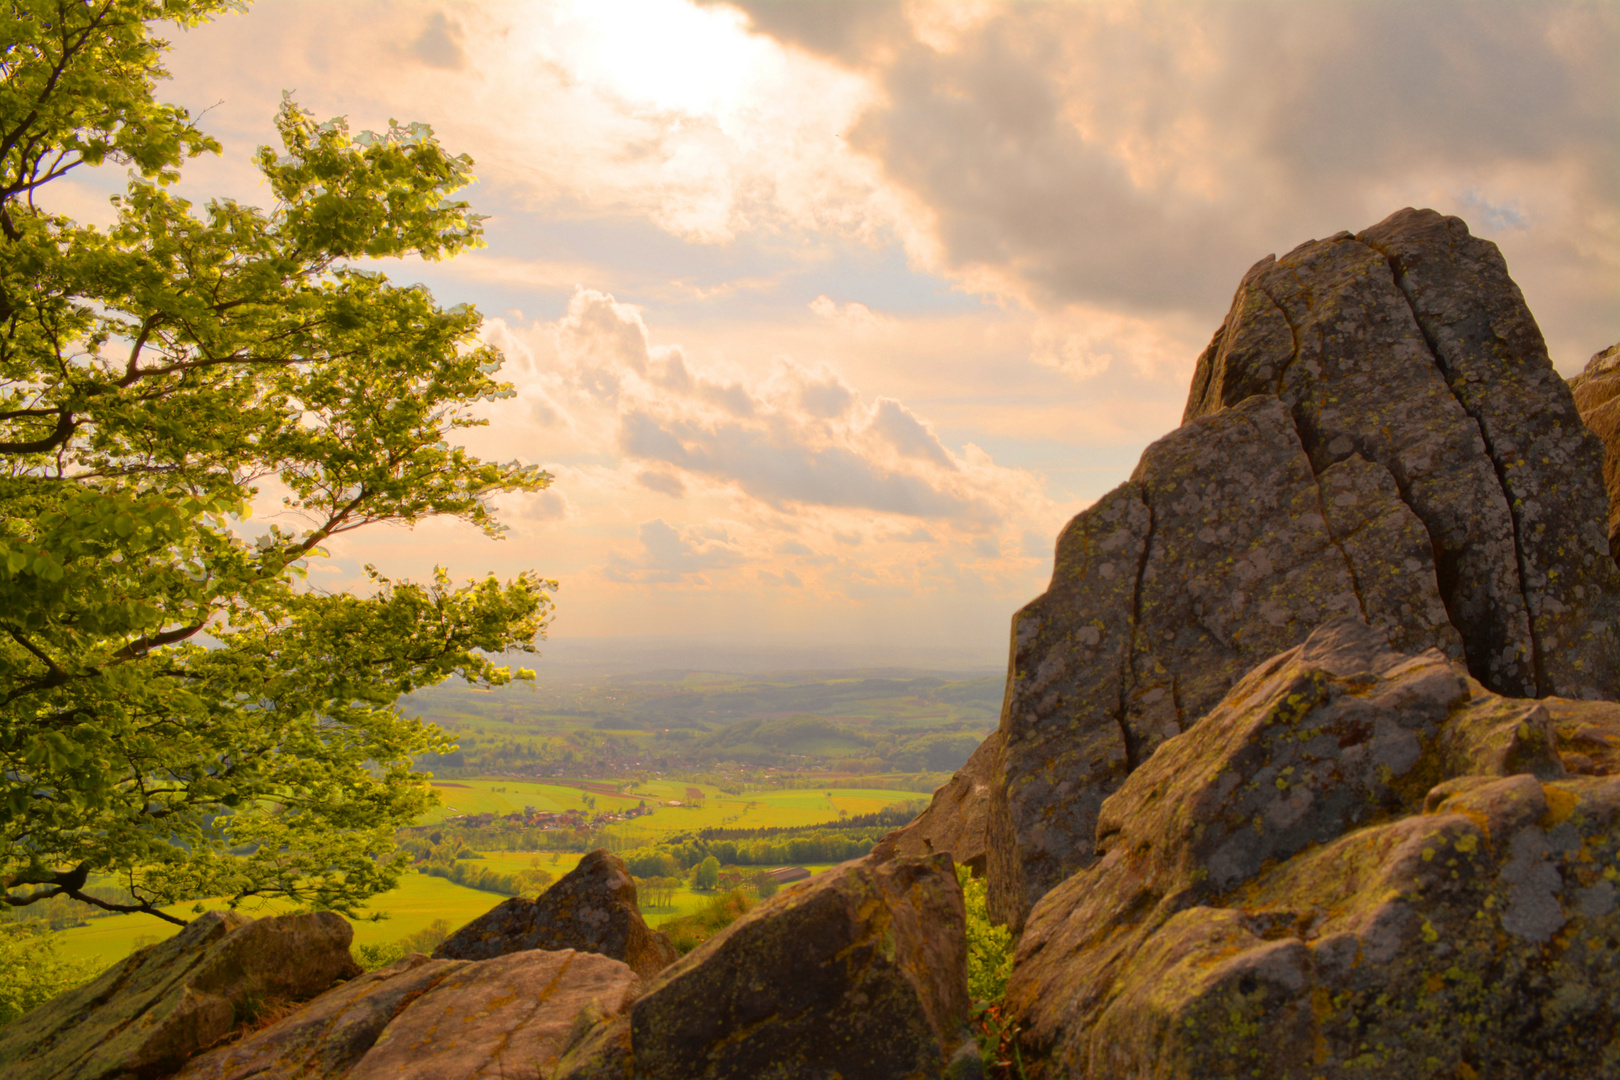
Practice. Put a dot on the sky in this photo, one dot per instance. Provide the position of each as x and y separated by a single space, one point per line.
826 317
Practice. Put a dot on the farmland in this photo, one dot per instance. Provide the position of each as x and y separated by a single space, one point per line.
420 900
548 770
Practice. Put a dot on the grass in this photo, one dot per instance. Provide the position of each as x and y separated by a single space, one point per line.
417 902
690 931
420 899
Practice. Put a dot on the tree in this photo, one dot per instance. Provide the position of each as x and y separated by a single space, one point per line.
178 707
706 874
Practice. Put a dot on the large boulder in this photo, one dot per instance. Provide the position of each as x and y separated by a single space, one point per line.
144 1017
859 971
422 1019
1224 548
1375 431
1359 864
1597 396
592 909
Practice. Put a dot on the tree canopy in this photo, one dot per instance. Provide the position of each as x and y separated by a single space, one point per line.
179 708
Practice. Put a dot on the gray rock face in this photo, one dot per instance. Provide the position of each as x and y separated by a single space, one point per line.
422 1019
858 972
1337 874
593 909
146 1016
1223 549
1375 430
1410 345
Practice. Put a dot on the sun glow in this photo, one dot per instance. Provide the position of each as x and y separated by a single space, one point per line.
664 55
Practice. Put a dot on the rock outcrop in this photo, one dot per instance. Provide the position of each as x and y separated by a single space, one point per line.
1359 864
592 909
146 1016
860 971
1596 390
423 1019
1375 431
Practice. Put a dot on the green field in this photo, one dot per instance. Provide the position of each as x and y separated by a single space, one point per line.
751 810
420 899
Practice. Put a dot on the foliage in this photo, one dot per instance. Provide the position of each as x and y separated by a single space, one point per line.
31 972
989 963
655 892
990 945
706 874
689 931
477 877
177 708
425 940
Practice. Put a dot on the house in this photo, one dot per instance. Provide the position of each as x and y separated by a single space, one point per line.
787 874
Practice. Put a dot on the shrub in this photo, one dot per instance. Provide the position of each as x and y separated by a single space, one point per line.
690 931
989 945
372 957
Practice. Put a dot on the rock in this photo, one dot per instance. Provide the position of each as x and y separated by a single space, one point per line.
954 822
1223 549
1375 430
1410 345
511 1016
330 1034
1332 875
146 1016
1595 390
422 1019
859 972
592 909
1589 730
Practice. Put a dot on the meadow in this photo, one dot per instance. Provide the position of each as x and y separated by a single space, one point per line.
717 808
420 900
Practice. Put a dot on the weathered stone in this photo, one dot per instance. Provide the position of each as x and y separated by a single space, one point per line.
592 909
954 822
1330 876
602 1054
330 1034
422 1019
1595 391
1222 549
146 1016
1589 732
1410 345
507 1017
1487 344
860 971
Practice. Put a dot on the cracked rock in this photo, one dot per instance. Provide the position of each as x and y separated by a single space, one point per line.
1337 873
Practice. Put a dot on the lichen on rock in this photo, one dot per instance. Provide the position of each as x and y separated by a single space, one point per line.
1338 873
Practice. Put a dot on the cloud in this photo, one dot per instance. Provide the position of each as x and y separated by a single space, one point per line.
851 316
792 547
778 469
908 435
664 483
825 399
439 44
668 556
793 440
1137 158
